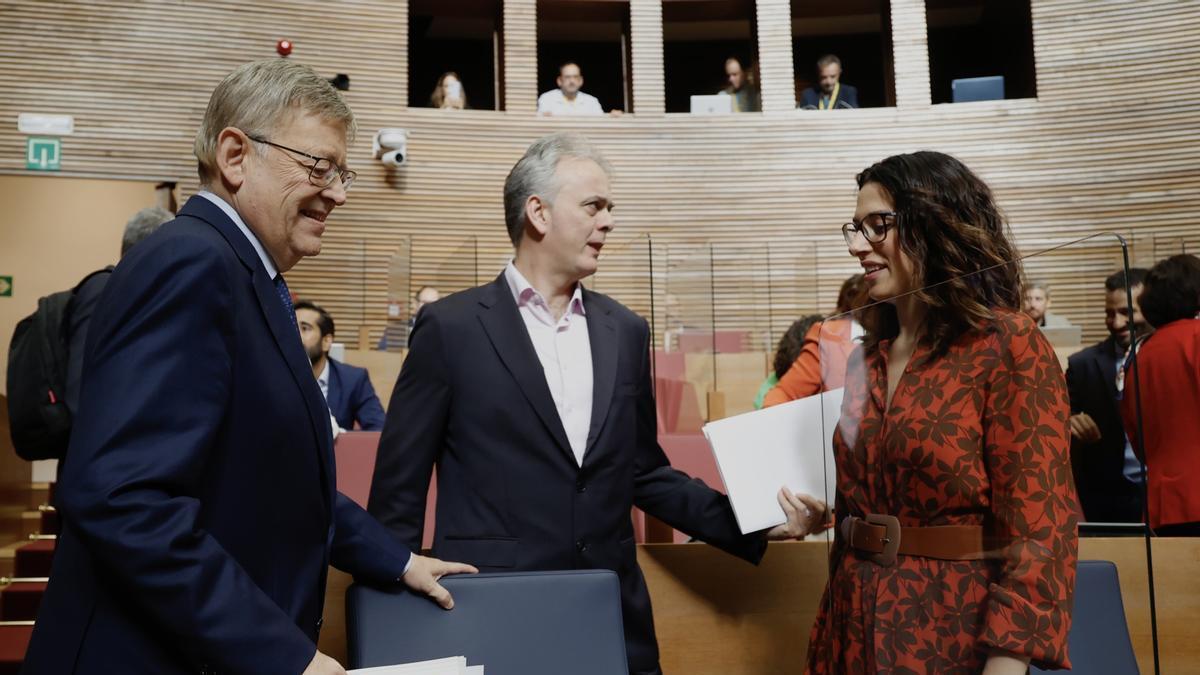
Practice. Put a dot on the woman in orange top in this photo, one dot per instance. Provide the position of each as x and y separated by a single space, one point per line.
1167 374
956 538
821 363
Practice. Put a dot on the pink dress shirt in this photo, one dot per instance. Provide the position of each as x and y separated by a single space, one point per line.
565 352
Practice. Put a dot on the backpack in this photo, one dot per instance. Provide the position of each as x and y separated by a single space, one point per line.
39 419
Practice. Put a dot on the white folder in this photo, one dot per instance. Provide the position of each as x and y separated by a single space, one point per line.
785 445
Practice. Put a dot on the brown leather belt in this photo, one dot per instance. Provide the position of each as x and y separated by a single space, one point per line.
882 538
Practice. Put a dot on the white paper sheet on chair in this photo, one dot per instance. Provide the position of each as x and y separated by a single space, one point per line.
788 444
454 665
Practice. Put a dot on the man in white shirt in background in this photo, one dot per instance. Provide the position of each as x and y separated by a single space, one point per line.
568 99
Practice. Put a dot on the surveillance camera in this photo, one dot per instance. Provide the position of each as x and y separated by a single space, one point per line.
391 146
394 158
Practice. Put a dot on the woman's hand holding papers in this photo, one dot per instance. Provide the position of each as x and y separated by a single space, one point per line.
805 515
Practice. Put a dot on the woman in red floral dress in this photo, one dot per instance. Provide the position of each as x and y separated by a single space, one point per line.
956 541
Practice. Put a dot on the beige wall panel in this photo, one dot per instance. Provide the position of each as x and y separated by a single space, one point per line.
55 231
1084 157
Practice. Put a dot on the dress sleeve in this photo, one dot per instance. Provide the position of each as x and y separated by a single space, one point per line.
1026 448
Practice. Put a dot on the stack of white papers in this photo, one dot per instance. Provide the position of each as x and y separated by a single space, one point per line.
455 665
785 445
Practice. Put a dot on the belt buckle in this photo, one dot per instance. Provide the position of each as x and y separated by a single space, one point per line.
891 541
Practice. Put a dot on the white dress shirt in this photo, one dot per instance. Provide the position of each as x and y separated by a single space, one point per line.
272 272
555 103
565 352
323 380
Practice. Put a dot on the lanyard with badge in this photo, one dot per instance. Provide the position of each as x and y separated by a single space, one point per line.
837 87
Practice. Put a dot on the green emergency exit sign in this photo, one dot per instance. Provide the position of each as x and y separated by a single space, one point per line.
43 154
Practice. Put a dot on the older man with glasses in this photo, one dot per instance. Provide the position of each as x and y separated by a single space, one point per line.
199 508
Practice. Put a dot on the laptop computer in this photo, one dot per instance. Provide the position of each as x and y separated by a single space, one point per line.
712 104
968 89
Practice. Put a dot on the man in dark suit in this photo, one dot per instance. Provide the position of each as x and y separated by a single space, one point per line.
1108 476
347 389
831 94
141 225
533 397
199 508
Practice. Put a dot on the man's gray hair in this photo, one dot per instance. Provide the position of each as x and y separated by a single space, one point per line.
534 174
142 225
257 97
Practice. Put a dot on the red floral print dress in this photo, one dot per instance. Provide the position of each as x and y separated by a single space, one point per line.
977 436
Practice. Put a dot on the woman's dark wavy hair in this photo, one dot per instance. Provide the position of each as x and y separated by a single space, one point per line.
949 226
1171 290
792 342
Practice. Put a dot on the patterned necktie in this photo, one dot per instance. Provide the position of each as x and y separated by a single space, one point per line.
285 296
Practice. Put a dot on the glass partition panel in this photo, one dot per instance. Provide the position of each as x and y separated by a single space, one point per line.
978 405
624 272
686 365
400 299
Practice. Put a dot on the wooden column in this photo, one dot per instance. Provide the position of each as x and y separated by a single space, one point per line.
646 34
777 74
520 56
910 49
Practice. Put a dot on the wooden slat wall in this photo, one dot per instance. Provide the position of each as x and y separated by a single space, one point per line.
1110 145
646 37
910 52
520 55
778 77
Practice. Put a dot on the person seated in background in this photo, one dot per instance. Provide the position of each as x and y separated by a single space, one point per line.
425 295
831 92
789 348
347 389
1165 375
741 87
396 332
449 93
821 363
1036 303
1108 476
568 99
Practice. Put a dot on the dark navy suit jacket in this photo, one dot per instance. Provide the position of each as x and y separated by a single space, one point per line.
1104 493
847 98
199 507
472 398
352 398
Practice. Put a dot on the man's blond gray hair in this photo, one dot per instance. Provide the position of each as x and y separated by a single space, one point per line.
534 174
258 97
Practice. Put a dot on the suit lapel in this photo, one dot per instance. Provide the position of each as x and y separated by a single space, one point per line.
288 340
602 334
1107 364
505 329
287 337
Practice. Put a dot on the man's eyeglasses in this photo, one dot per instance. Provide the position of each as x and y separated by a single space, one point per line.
874 227
322 171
